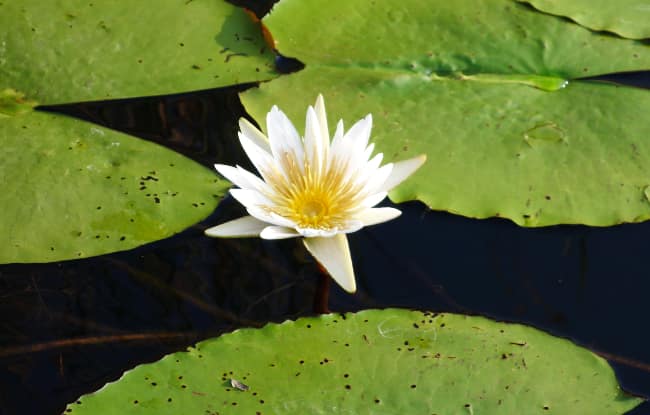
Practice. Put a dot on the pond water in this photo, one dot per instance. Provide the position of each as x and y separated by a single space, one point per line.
67 328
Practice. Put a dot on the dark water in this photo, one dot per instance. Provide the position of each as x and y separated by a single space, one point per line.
67 328
588 284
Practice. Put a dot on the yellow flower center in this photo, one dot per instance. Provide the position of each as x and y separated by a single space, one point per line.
313 199
310 210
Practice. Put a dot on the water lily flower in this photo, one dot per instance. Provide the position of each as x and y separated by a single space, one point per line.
312 188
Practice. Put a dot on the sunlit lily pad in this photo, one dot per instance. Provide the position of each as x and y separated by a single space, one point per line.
627 18
487 90
78 50
376 361
71 189
14 103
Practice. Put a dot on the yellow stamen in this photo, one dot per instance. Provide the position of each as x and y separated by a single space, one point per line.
313 197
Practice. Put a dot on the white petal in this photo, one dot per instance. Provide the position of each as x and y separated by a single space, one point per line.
374 216
246 226
254 181
261 158
372 200
269 217
335 151
241 177
231 174
278 232
352 225
248 197
338 135
319 107
376 182
402 170
283 136
253 134
368 151
376 161
313 233
359 134
366 175
315 152
348 226
351 149
334 254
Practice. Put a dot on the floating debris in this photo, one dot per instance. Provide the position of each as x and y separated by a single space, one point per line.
238 385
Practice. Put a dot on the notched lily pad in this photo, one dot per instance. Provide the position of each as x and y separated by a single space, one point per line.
376 361
79 50
626 18
490 91
72 190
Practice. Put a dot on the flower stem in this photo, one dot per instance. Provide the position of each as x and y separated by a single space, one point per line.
321 297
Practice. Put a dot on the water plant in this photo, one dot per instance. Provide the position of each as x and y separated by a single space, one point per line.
502 97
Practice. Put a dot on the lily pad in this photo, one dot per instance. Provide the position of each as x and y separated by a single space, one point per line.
72 189
489 91
376 361
627 18
79 50
13 103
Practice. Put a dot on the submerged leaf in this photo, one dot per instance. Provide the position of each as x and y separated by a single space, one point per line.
375 361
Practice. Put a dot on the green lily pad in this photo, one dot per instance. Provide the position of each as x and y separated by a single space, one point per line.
535 157
376 361
13 103
72 189
627 18
79 50
487 91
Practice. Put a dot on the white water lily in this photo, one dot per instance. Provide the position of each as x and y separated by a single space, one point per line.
312 188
